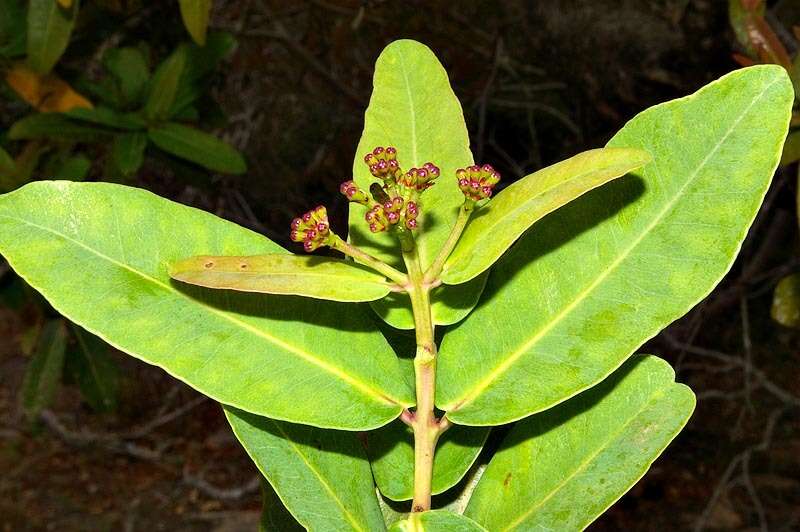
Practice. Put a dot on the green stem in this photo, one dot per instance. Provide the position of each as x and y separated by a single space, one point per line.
366 259
427 428
432 275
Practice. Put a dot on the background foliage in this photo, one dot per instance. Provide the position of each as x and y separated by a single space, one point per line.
286 85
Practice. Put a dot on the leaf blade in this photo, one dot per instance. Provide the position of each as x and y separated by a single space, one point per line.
322 476
310 276
195 14
198 147
43 375
414 109
600 442
240 349
588 258
49 29
508 215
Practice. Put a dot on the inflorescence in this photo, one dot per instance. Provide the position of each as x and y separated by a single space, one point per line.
393 202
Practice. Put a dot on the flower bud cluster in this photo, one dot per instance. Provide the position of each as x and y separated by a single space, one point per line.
477 182
393 202
312 229
382 216
383 163
420 178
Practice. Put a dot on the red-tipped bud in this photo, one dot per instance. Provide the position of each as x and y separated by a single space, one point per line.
312 229
353 193
420 178
477 182
382 163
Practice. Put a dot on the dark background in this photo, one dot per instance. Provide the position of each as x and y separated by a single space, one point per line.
539 81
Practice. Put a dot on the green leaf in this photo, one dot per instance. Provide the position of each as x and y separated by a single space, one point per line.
195 14
199 147
600 276
49 29
414 109
93 370
54 126
43 375
8 168
310 276
391 453
201 64
74 168
128 152
322 476
129 66
274 515
561 469
164 86
495 226
99 253
106 116
437 521
786 301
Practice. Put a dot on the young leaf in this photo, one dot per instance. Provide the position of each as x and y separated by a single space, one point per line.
164 86
201 62
391 453
562 468
322 476
195 14
128 152
508 215
436 521
43 374
199 147
129 66
12 28
598 277
414 109
310 276
99 253
93 371
55 127
49 29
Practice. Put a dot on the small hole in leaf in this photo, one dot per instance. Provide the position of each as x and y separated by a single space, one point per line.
243 266
209 264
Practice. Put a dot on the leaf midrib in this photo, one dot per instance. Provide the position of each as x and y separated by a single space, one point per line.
508 362
583 464
365 388
319 476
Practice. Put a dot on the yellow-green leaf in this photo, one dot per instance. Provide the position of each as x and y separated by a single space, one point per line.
195 15
198 147
99 253
164 86
504 218
310 276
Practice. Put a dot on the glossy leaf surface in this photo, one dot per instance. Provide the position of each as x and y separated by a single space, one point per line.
414 109
49 29
99 253
199 147
310 276
322 476
597 278
496 225
561 469
391 453
436 521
